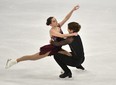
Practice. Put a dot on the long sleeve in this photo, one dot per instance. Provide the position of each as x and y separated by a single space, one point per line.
63 42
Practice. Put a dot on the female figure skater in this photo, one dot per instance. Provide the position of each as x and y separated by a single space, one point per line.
48 50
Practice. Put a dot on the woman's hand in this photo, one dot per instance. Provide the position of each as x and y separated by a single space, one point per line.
75 34
76 7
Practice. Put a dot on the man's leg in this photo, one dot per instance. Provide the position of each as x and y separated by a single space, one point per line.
67 73
79 65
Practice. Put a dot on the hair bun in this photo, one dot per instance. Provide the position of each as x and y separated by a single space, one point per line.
49 21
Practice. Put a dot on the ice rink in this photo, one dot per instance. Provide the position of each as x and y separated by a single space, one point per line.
23 31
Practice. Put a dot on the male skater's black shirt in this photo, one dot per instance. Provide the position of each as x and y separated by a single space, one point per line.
75 44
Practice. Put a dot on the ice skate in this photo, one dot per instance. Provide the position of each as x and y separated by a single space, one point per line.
80 67
10 62
64 75
62 71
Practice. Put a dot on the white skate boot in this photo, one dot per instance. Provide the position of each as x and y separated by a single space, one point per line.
10 62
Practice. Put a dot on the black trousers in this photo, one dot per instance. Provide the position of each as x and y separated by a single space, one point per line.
64 60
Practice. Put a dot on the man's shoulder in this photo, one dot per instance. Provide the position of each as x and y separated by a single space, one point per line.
77 38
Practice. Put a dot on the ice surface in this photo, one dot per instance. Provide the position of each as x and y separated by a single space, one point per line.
23 31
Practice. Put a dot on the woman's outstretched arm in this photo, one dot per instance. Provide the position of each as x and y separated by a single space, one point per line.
69 15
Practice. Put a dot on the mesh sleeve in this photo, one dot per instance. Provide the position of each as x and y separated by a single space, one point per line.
63 42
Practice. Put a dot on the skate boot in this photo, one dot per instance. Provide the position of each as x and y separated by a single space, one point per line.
10 62
80 67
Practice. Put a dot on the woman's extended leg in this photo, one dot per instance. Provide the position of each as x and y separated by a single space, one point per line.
35 56
11 62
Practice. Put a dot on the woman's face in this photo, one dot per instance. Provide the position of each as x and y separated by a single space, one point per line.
54 22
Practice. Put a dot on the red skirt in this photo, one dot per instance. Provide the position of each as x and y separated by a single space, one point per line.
49 48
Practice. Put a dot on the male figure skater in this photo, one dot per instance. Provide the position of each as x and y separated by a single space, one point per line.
77 54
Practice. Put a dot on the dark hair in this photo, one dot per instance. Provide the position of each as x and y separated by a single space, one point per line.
49 21
74 26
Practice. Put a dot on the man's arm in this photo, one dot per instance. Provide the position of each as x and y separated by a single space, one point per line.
63 42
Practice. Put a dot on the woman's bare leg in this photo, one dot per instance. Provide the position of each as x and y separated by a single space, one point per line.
11 62
35 56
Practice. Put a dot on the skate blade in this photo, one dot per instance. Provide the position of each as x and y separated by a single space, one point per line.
6 67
